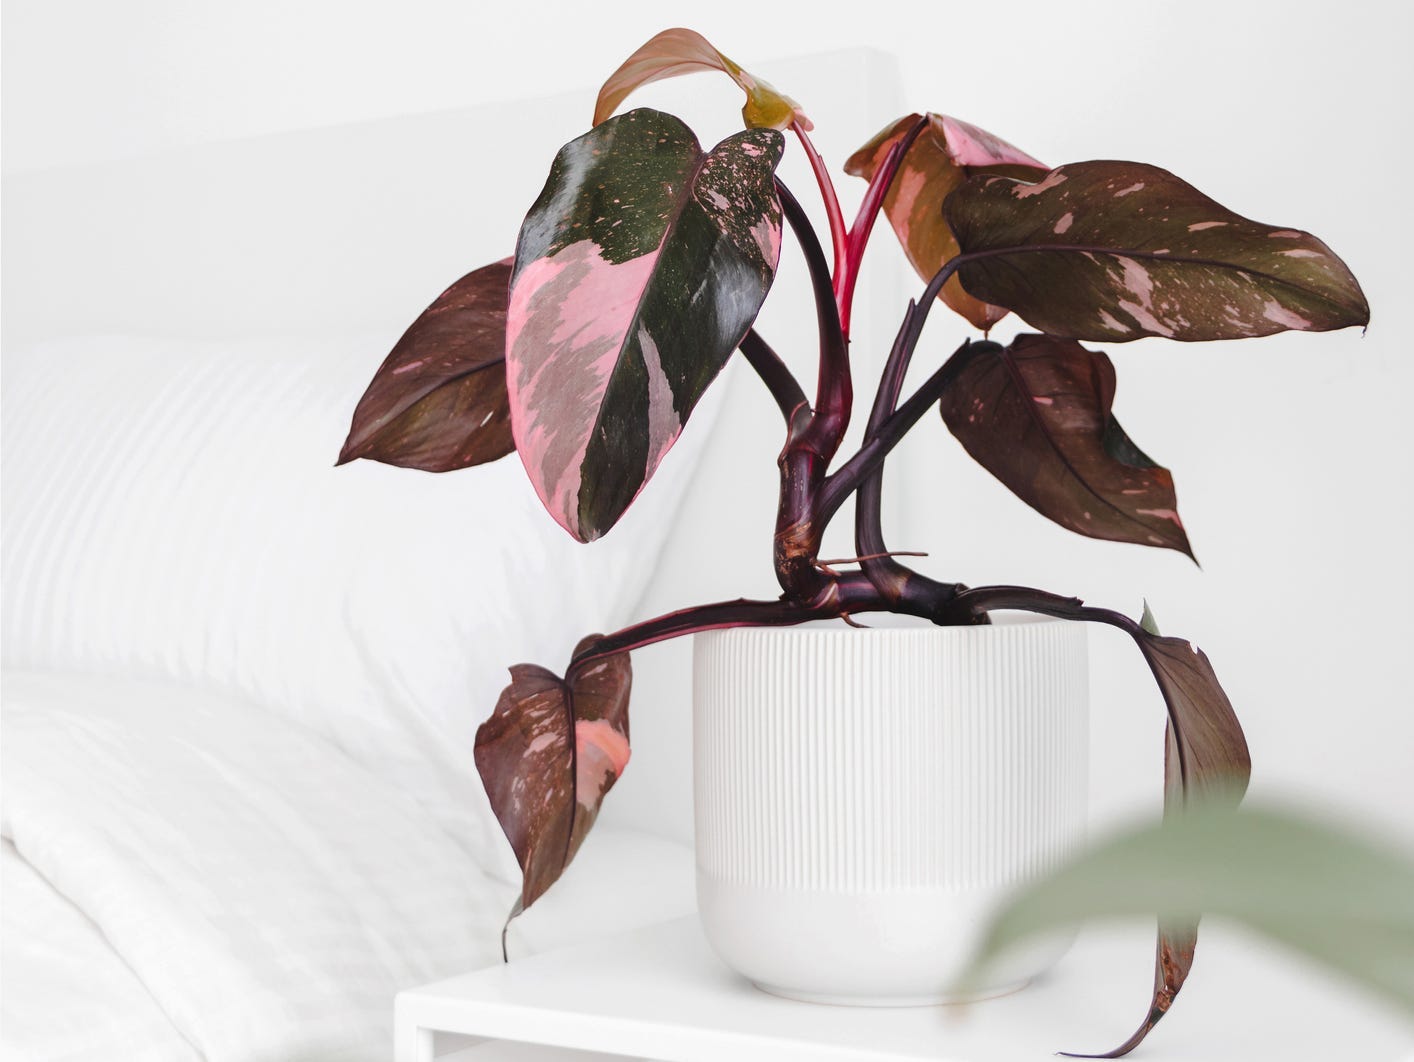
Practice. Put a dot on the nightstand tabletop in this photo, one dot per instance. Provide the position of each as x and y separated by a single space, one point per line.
660 993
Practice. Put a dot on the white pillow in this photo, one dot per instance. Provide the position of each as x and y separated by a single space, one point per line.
171 509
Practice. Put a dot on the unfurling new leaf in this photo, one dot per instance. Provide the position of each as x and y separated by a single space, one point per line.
946 152
547 756
675 52
1037 415
1114 251
438 402
639 270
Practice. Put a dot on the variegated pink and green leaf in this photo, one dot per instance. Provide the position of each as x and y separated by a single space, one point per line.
1038 415
438 402
639 269
1114 251
675 52
547 756
945 153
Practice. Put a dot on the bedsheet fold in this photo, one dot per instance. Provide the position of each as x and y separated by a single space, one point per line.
192 877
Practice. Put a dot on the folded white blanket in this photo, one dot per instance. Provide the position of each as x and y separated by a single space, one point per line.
271 894
68 996
194 877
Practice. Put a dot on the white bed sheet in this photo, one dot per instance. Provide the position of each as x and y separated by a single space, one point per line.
266 892
67 993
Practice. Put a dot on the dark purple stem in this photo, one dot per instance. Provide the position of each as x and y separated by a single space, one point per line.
842 595
885 428
834 390
779 380
864 468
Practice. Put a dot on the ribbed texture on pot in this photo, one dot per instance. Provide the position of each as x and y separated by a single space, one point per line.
866 761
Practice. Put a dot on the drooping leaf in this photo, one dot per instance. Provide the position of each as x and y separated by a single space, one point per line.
1114 251
438 402
1037 415
1205 752
639 269
1205 759
547 756
1208 751
1336 897
675 52
945 154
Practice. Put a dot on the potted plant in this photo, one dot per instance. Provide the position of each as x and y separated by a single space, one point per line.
638 275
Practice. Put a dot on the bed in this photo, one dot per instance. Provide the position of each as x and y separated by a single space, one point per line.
239 700
238 808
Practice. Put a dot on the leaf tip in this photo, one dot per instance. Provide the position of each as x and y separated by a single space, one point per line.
1147 621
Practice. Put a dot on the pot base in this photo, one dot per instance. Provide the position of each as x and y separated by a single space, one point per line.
876 949
889 1001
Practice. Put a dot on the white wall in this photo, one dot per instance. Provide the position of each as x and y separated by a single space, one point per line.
1291 454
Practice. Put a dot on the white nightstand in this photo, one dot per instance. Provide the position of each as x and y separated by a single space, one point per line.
660 993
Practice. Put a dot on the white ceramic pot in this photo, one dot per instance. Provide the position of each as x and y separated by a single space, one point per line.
865 797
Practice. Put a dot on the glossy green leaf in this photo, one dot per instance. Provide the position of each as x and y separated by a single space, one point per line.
438 402
675 52
547 756
944 154
639 269
1335 897
1037 415
1114 251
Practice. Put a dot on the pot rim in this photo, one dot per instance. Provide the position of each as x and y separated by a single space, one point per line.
881 624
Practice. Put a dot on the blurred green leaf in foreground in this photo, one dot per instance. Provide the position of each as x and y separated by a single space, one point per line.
1342 900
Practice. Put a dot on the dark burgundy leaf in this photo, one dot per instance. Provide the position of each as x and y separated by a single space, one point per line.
1113 251
438 402
1037 415
1205 757
548 754
1205 750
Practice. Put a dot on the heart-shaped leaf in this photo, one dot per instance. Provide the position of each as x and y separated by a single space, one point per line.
639 269
547 756
1333 896
944 154
438 402
1037 415
675 52
1114 251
